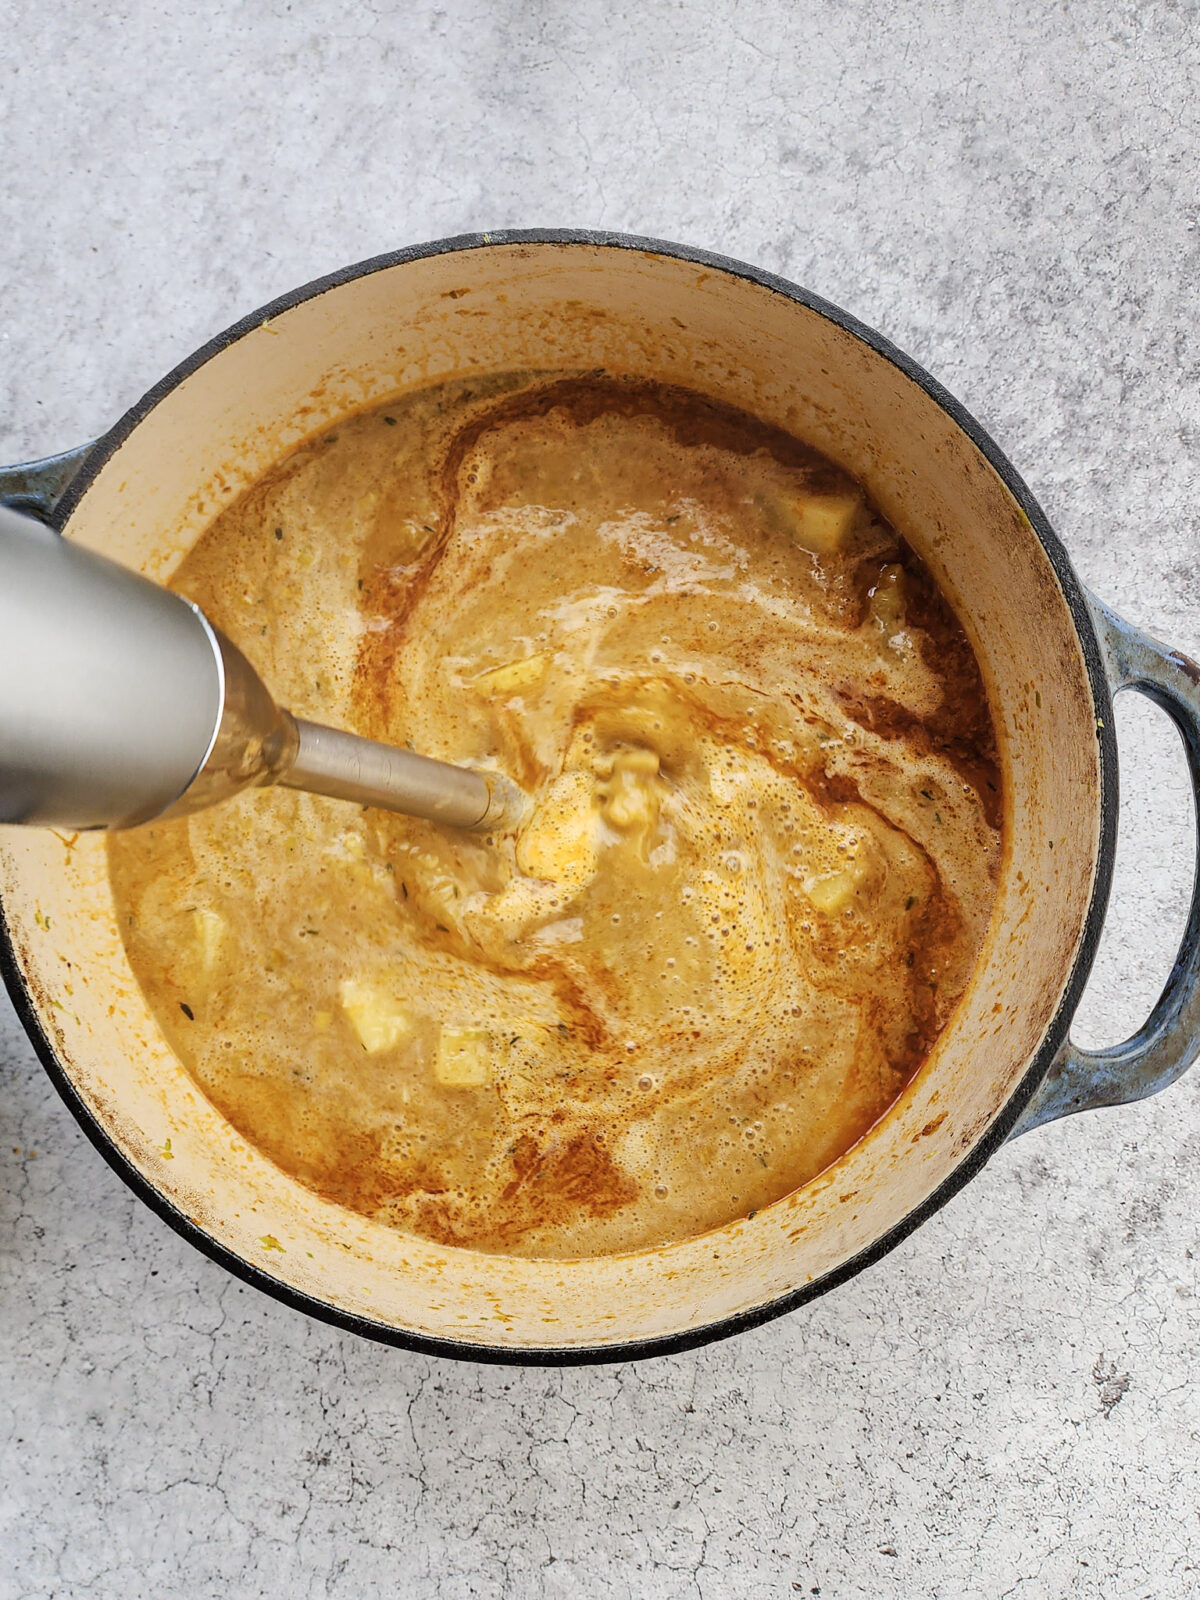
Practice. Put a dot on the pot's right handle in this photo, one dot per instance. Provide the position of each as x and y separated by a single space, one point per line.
1169 1040
36 487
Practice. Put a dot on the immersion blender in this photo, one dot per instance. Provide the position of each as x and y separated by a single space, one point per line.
119 702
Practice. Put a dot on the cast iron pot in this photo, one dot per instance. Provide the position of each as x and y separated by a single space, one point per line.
1052 658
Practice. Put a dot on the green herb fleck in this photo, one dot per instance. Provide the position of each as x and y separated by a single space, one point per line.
187 1011
270 1242
391 421
279 533
910 902
166 1152
441 927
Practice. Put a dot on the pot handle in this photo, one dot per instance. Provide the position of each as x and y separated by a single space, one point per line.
1169 1040
36 487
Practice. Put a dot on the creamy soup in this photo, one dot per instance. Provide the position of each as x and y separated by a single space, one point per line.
757 868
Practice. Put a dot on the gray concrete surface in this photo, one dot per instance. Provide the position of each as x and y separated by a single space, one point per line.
1007 1407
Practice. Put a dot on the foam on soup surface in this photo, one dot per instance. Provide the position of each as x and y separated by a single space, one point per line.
757 870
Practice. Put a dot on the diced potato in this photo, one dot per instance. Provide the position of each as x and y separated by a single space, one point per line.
632 808
631 792
823 522
378 1019
833 891
209 927
559 841
513 676
464 1058
646 762
888 600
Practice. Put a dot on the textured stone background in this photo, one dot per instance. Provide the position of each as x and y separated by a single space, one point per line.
1007 1406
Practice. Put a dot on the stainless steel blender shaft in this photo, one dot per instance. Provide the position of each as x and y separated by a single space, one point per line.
119 702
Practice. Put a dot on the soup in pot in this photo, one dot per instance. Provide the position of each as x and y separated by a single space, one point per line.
753 880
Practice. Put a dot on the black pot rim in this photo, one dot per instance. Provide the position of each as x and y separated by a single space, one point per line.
671 1344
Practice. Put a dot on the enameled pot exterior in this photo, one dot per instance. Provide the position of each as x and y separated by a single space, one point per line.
1051 658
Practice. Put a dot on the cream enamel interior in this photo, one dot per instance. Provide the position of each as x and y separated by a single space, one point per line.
555 306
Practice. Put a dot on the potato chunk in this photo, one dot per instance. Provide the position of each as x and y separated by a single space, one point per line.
857 878
630 790
375 1015
833 891
209 927
514 675
823 522
889 600
464 1058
